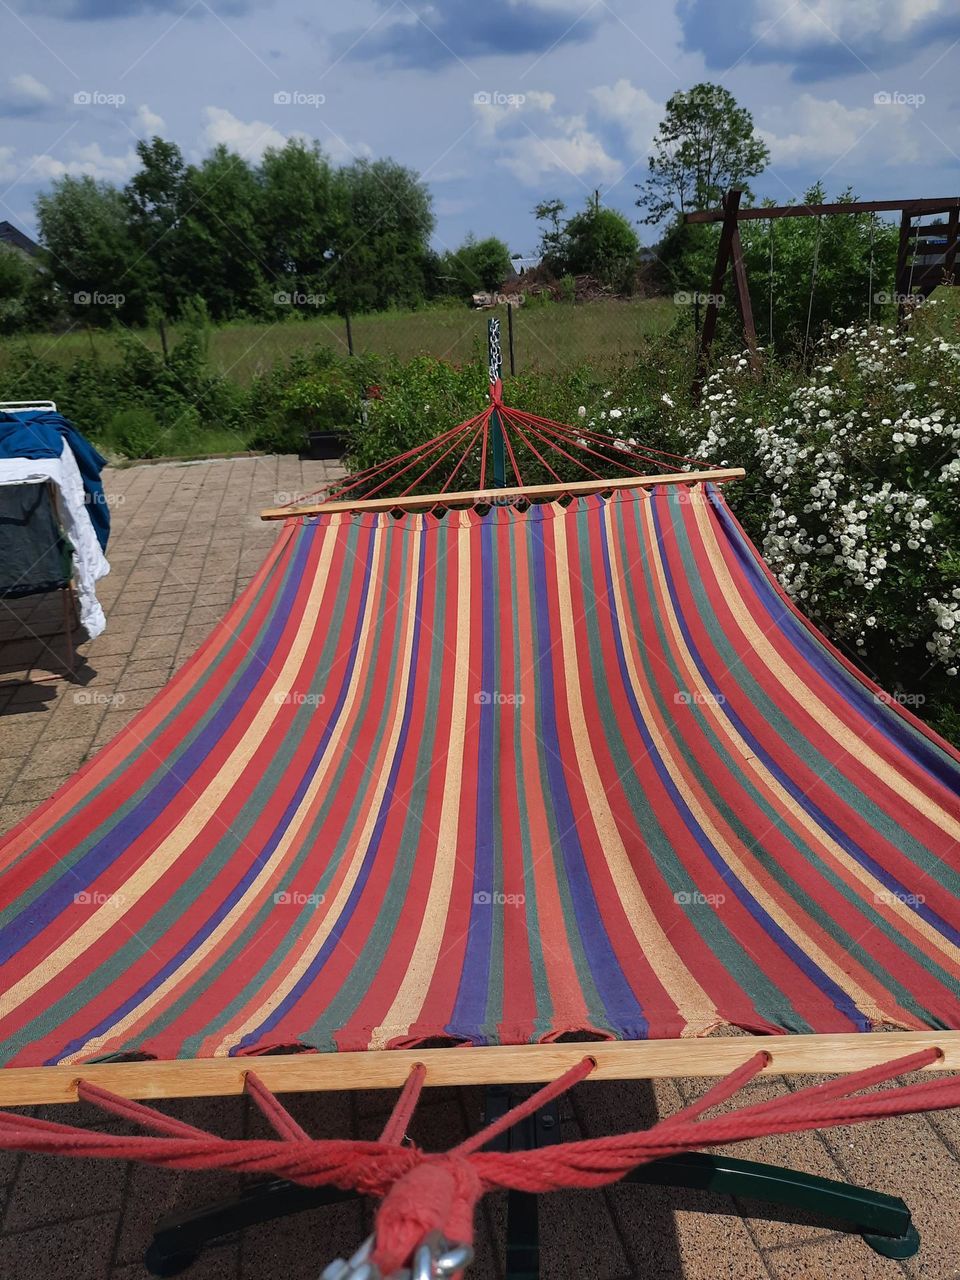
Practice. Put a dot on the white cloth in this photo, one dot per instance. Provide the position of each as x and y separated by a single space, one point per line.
89 562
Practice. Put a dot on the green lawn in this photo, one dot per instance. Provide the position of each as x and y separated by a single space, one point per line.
545 337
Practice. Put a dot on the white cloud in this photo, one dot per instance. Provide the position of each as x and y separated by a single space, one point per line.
30 89
531 140
782 24
248 139
817 130
634 112
89 160
8 168
148 121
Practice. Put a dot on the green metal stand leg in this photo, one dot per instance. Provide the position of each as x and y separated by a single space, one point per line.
179 1240
883 1221
523 1219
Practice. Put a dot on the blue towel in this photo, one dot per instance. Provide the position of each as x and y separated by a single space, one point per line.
40 433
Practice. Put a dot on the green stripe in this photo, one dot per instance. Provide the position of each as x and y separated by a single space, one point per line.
769 1001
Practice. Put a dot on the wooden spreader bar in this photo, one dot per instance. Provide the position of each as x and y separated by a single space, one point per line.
477 497
495 1064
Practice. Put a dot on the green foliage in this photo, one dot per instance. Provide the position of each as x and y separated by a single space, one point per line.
597 242
477 266
290 235
385 222
855 258
705 143
601 243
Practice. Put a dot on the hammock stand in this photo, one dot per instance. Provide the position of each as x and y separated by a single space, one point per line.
427 1199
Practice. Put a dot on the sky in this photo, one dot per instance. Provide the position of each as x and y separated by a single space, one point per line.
498 104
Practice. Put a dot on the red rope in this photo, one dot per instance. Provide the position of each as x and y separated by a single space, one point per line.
396 1126
423 1191
273 1109
471 444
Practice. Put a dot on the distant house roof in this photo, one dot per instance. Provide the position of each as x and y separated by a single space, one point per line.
16 239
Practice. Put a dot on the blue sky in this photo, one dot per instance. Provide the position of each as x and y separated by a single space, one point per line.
498 104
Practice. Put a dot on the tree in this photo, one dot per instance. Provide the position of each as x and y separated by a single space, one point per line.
477 265
90 253
548 213
155 198
705 143
300 221
602 243
220 235
385 221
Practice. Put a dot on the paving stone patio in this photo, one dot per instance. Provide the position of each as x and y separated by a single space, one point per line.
186 540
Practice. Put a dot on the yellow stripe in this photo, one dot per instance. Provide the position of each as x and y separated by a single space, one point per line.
873 888
325 926
852 744
203 810
665 749
413 990
692 1001
265 876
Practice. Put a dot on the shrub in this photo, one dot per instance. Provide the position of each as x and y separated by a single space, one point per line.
853 493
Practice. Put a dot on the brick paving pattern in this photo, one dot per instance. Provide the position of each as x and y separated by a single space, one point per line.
186 541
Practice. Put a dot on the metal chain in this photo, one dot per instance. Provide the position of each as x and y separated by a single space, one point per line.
495 352
435 1258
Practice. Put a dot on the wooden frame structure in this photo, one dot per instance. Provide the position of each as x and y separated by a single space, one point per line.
473 1065
502 495
730 251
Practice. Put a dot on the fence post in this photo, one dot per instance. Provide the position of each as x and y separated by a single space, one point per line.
346 316
513 365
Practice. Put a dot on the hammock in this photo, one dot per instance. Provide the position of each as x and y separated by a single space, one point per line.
478 778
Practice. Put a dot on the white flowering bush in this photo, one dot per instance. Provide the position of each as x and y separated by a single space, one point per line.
853 493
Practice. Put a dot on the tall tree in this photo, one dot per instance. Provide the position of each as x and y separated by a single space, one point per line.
220 235
299 219
549 214
386 221
155 197
84 228
705 143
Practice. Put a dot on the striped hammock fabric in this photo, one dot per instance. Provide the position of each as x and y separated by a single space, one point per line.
492 779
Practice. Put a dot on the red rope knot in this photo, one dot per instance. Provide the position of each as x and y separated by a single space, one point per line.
439 1194
496 393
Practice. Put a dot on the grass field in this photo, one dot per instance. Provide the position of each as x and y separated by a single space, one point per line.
545 337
